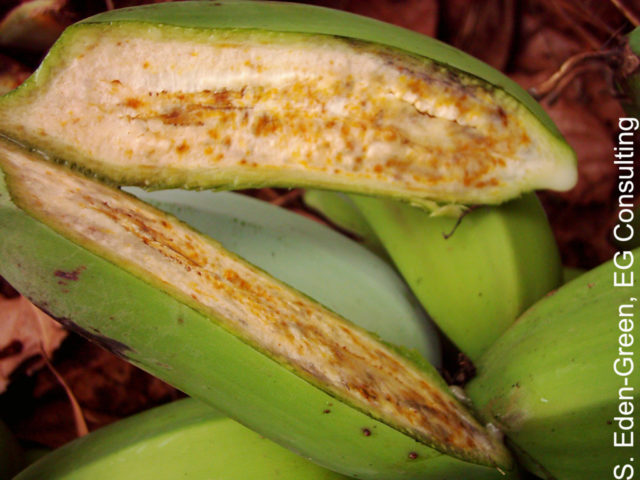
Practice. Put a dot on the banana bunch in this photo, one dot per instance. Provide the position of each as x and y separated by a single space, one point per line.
224 95
555 382
185 439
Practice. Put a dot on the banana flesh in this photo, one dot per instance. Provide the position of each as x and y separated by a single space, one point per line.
253 93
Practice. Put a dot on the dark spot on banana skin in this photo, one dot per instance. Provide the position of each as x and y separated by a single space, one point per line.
71 276
366 432
412 455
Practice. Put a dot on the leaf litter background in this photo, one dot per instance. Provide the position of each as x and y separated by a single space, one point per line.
529 40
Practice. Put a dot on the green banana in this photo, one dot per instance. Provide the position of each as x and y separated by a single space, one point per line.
245 94
176 303
340 210
475 278
571 273
555 381
185 439
298 251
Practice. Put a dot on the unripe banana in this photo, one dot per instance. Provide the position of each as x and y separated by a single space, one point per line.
556 380
246 94
317 261
186 440
340 210
176 303
473 278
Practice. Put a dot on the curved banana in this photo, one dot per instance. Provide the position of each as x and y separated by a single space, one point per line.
176 303
340 210
185 439
245 94
554 381
475 278
313 259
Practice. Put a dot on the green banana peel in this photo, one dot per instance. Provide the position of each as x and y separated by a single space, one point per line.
571 273
340 210
311 258
240 94
549 382
476 277
186 439
130 277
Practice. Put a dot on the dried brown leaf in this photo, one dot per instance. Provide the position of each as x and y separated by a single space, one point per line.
102 382
484 28
24 330
34 25
105 387
12 74
418 15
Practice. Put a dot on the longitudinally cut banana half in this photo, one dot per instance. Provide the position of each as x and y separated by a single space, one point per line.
179 305
186 440
243 94
316 260
558 381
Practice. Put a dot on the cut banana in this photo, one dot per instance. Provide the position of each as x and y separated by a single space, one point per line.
176 303
249 94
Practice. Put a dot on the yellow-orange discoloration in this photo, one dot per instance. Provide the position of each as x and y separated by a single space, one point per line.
183 147
343 112
134 103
